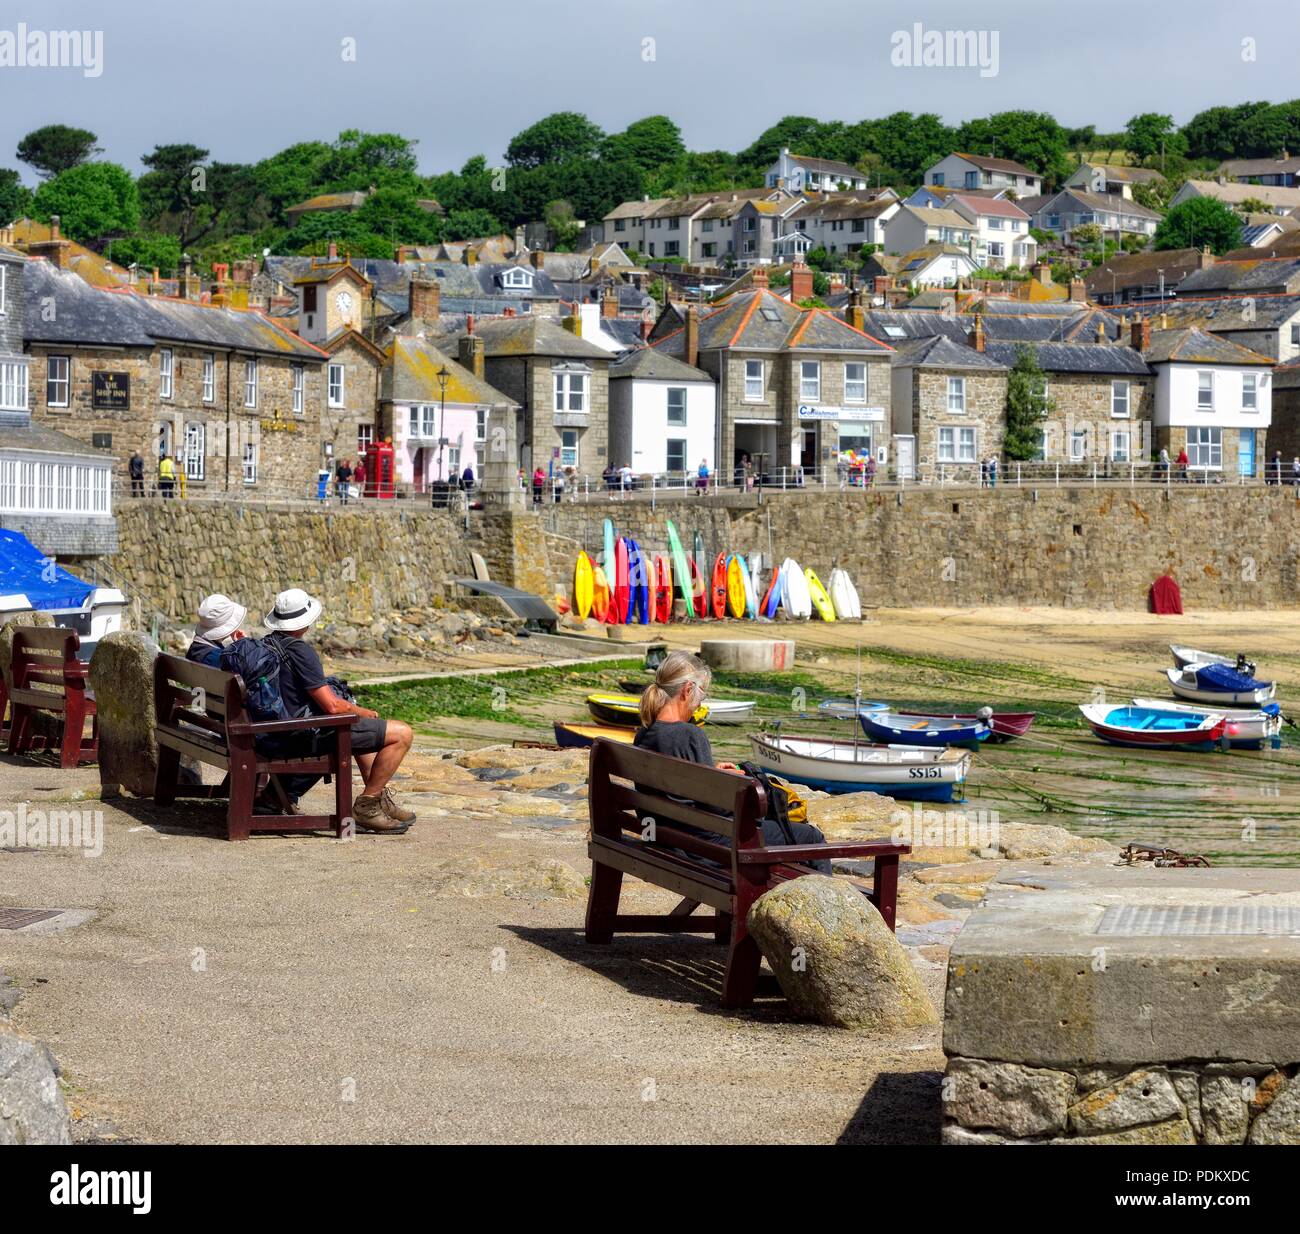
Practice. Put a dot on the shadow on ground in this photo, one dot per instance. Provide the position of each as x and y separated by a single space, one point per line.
899 1108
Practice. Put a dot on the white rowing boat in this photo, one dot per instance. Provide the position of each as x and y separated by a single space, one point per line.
908 772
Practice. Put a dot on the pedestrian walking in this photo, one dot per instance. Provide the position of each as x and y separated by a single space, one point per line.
135 469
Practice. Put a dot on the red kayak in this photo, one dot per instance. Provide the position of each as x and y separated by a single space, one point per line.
663 602
767 595
622 589
1006 725
720 586
699 593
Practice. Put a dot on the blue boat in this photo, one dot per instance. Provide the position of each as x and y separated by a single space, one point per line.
847 708
898 728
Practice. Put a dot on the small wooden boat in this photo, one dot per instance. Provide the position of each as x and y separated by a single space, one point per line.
1006 725
1183 656
847 708
1219 685
905 772
820 600
624 710
1247 728
844 595
902 728
1153 728
584 586
579 736
719 590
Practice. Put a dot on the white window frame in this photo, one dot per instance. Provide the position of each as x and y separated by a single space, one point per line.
1079 445
1201 453
365 438
674 419
1119 400
570 386
1120 445
480 424
855 388
196 448
249 462
166 373
299 373
569 454
1204 388
1250 392
209 376
13 385
956 396
250 382
957 443
336 400
54 381
750 379
4 279
810 381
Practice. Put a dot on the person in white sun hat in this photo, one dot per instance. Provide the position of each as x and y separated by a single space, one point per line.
220 621
379 745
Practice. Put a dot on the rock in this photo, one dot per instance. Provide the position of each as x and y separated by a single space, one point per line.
851 815
1142 1097
1022 841
836 959
1187 1084
1280 1122
1173 1131
1225 1111
32 1110
121 675
341 638
954 1134
1007 1098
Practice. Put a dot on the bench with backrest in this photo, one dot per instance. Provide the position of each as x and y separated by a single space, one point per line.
46 676
638 802
202 713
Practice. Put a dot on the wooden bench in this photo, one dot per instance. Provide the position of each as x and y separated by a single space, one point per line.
47 658
202 713
635 829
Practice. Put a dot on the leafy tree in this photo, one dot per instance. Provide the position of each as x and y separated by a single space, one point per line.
818 258
1270 130
394 213
802 135
650 143
358 160
1155 195
149 249
1088 233
469 224
558 138
57 148
1197 222
563 224
1027 406
1218 132
1030 137
1151 134
291 176
15 196
313 233
91 200
1252 205
174 191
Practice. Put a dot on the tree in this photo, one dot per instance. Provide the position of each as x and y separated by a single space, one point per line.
1152 134
91 200
15 196
1030 137
469 224
149 249
1197 222
801 134
1087 233
397 215
1217 132
291 176
1027 406
57 148
650 143
562 223
558 138
174 191
358 160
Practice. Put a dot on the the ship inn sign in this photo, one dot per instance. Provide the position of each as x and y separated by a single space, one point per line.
808 411
110 391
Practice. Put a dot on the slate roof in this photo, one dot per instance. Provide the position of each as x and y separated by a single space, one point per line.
842 206
625 331
1194 346
985 163
1074 357
42 440
940 351
828 167
938 216
1285 245
1142 270
1259 167
330 201
1234 193
1124 175
651 363
527 336
1110 203
895 326
637 209
1253 274
95 268
89 315
990 205
1220 314
412 377
1287 376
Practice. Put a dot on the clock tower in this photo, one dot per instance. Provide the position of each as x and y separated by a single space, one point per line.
332 297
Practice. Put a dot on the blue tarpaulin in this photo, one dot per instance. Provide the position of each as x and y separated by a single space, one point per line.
1222 677
24 568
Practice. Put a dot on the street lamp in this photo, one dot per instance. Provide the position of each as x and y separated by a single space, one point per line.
443 375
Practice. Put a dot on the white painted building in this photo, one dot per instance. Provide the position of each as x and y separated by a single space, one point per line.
662 415
801 174
1002 239
913 227
974 171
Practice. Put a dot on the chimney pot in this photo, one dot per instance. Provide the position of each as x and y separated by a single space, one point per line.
692 336
1205 258
1078 291
55 221
759 277
609 303
333 251
538 258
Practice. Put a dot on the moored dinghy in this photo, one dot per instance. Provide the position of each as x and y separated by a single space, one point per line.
1219 685
900 728
1245 727
1154 728
847 708
1006 725
1184 656
854 767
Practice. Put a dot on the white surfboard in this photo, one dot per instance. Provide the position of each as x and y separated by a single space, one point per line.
795 597
844 596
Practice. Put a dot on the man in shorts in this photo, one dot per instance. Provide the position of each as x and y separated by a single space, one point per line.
379 745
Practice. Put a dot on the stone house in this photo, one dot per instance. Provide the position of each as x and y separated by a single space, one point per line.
235 398
1284 434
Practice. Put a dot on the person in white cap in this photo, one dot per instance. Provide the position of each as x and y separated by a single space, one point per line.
220 621
379 745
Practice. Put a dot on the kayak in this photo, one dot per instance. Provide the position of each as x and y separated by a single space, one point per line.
699 592
844 596
608 561
718 592
583 586
795 596
621 592
820 600
638 571
751 602
601 600
680 570
736 585
662 609
767 607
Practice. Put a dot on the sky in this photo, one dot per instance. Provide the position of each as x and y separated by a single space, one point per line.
245 78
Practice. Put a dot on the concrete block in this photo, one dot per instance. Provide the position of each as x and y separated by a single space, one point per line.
749 655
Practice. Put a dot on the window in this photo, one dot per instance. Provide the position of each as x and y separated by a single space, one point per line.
677 405
709 250
480 424
706 225
972 179
810 379
749 223
1078 445
859 225
13 384
195 441
57 369
1249 392
996 248
453 460
299 388
753 379
570 391
309 299
365 438
569 447
1295 334
250 383
1119 400
937 179
209 377
4 273
1205 391
1205 447
957 395
855 383
165 360
1119 444
672 248
250 463
336 385
516 278
676 454
620 224
956 445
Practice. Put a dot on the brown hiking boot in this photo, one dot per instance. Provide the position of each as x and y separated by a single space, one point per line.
368 814
388 803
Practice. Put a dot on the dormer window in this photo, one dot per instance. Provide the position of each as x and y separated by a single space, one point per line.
517 276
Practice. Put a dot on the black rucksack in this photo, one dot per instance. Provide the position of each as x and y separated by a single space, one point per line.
778 799
257 662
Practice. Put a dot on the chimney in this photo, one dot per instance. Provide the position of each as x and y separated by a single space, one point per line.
609 303
7 234
55 221
1205 258
692 355
759 277
881 284
469 351
1140 333
646 326
538 258
520 244
470 256
854 314
976 335
333 251
426 299
1043 273
801 282
1078 291
1102 336
55 249
573 324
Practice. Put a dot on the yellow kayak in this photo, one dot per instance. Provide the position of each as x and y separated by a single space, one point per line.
624 710
735 586
584 586
820 600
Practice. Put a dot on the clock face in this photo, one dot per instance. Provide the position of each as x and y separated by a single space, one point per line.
343 301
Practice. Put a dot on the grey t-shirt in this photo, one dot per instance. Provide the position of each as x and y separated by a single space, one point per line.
677 739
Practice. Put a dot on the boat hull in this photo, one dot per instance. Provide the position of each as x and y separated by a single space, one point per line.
1152 729
580 736
1006 725
843 767
905 729
1250 729
1220 698
1184 657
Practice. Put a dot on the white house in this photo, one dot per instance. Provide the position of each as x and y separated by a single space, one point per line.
975 171
662 415
1213 398
1069 209
1002 239
843 224
800 174
914 227
1108 179
1277 199
935 265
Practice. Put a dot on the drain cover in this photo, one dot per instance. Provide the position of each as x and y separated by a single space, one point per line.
1138 920
16 918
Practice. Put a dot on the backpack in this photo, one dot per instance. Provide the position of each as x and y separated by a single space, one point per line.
785 805
257 662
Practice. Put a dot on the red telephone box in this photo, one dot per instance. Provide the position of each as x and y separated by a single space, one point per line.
379 469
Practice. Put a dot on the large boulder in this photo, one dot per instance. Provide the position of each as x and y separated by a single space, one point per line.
121 675
836 959
32 1110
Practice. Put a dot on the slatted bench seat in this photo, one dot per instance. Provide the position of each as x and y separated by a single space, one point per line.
202 713
48 658
637 813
